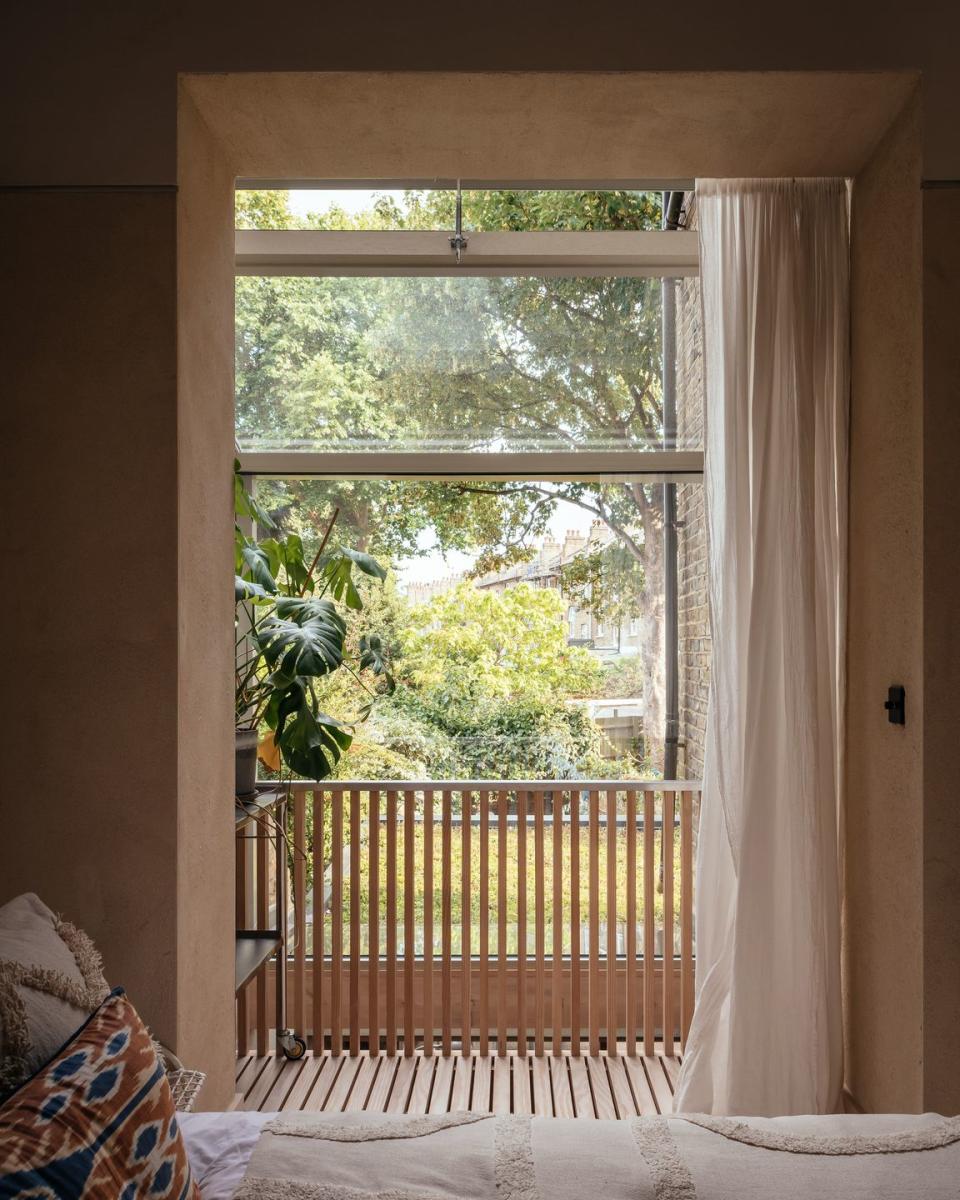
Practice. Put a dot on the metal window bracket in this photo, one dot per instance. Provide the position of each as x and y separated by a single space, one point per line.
458 243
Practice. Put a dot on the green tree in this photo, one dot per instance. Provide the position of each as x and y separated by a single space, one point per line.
471 646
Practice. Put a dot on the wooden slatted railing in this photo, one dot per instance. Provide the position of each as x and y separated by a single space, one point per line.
537 915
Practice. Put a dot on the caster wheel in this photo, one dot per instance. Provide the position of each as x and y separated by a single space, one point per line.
293 1047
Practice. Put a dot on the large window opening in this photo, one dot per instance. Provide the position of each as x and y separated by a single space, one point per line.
516 436
469 423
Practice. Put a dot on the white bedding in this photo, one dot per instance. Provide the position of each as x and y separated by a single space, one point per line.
789 1158
219 1146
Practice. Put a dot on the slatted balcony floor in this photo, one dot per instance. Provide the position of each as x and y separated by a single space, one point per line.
612 1086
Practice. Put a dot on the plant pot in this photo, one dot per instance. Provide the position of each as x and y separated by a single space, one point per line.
246 749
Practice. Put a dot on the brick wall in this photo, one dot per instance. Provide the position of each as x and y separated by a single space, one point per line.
692 600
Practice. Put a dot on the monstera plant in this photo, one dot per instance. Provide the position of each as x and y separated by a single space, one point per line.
292 632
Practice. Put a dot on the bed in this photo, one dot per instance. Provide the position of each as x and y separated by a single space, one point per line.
87 1112
469 1156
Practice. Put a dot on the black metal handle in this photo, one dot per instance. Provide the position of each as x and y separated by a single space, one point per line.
896 704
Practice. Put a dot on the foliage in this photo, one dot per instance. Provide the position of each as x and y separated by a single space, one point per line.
292 632
471 646
482 685
606 581
524 362
623 676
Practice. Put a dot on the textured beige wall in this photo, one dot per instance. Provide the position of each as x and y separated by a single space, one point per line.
528 125
941 650
205 765
94 85
89 451
884 768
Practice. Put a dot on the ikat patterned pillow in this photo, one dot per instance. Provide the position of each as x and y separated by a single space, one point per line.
98 1121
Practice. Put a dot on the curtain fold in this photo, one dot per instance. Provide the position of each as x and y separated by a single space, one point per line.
766 1036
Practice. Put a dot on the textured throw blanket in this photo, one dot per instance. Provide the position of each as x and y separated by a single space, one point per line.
469 1156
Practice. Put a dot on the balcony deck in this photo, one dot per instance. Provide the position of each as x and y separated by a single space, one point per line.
611 1086
575 901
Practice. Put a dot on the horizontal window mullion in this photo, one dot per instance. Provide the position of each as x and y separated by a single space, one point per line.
325 252
585 465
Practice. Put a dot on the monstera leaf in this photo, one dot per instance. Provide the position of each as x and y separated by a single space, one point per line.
336 569
312 743
254 564
293 637
304 637
255 593
286 555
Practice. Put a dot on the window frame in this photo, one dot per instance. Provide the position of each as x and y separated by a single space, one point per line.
668 254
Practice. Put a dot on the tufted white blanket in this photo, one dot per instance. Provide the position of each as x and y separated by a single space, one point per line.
468 1156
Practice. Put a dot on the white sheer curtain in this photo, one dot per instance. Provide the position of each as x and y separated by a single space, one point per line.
766 1035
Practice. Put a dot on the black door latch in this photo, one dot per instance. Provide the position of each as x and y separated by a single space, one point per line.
896 704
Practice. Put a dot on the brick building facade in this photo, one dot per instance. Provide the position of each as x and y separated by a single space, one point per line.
692 597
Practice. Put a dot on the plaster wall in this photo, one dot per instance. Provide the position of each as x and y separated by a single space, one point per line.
205 763
89 455
529 125
941 650
884 763
68 63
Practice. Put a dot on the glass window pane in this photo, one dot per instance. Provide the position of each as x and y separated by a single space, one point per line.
460 363
526 623
487 210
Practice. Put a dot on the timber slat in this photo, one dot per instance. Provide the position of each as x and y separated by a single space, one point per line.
462 1084
316 1101
482 1075
403 1083
342 1089
542 1097
502 1083
563 1085
336 936
308 1079
603 1101
521 1092
667 838
419 1101
383 1085
560 1080
442 1085
620 1087
580 1087
366 1077
639 1082
659 1085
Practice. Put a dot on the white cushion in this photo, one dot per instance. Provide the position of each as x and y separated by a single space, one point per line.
50 982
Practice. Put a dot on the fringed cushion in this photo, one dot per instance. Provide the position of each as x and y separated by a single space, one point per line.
50 982
97 1121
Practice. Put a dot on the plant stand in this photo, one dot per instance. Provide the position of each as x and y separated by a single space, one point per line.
255 947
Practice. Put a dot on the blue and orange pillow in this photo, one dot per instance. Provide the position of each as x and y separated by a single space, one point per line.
97 1122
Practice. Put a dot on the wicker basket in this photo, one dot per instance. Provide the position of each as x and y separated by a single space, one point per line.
185 1086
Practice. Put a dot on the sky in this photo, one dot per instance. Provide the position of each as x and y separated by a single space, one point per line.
304 200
